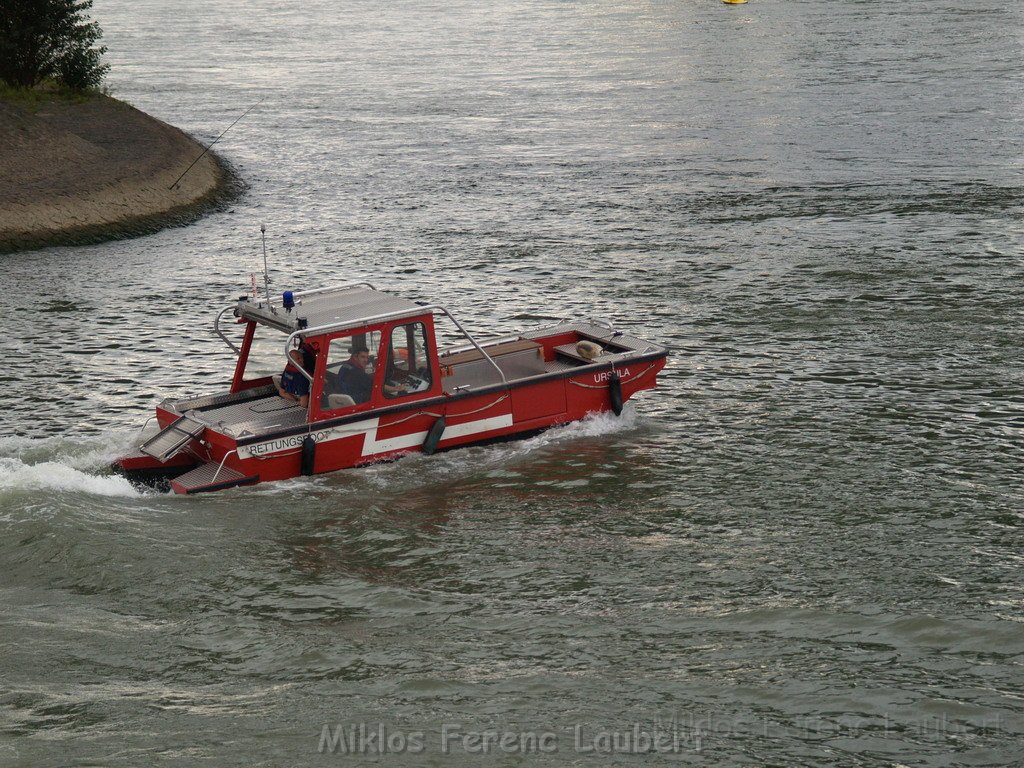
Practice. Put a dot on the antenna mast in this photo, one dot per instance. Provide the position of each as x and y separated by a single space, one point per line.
266 273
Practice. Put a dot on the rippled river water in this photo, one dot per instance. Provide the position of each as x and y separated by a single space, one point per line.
804 548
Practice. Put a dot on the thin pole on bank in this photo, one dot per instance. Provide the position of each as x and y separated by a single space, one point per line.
250 109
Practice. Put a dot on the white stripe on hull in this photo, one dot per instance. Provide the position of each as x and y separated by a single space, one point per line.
373 446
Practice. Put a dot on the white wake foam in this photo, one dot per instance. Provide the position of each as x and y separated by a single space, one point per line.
60 464
51 475
594 425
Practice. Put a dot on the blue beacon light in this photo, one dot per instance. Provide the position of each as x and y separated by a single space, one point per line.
287 300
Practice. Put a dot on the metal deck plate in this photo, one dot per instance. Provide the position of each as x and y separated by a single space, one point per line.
172 438
254 417
207 475
347 305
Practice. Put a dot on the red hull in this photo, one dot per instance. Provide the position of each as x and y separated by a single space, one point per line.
469 420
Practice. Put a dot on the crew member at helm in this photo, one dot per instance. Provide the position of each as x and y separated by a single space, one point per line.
353 380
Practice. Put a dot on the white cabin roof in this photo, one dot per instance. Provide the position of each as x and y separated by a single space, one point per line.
337 307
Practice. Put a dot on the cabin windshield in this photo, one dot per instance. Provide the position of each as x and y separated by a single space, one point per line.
351 363
408 364
265 358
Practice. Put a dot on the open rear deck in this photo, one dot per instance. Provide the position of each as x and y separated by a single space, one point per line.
251 412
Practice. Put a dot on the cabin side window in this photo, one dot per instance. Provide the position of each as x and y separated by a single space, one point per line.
408 363
348 377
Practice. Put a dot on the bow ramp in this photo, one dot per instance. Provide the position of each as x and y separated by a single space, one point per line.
172 438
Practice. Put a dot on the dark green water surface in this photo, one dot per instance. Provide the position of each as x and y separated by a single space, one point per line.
804 549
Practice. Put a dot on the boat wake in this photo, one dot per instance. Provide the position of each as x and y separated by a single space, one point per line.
62 465
594 425
597 425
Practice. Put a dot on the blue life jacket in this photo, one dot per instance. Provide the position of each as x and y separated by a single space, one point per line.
293 382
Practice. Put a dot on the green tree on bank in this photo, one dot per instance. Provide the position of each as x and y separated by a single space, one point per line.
50 40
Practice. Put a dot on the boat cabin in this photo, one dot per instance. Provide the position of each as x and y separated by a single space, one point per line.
365 350
362 349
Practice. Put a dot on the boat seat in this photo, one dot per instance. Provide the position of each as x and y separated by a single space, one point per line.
338 400
453 359
517 359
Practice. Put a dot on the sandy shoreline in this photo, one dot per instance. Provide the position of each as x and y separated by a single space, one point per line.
97 170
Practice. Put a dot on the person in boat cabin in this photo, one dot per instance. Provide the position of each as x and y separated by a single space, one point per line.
295 386
353 380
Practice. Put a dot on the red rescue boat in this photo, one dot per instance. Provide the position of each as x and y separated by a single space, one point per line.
369 384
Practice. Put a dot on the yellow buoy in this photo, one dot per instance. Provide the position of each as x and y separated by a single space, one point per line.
734 2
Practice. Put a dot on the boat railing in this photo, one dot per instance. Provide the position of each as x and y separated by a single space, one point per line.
270 305
221 467
219 332
328 289
144 425
488 342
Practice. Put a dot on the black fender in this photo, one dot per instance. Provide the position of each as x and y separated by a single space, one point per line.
308 455
615 392
433 437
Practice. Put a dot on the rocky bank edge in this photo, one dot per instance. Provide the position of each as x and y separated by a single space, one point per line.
83 172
